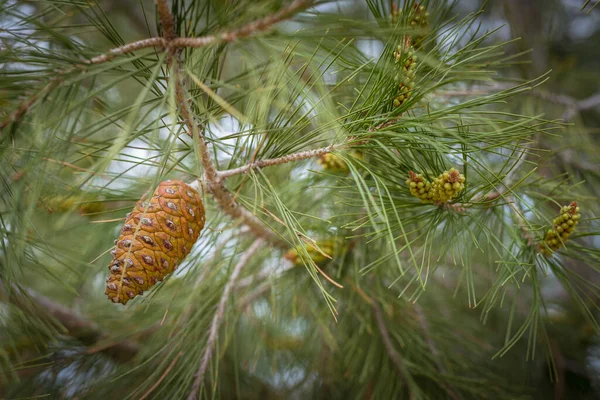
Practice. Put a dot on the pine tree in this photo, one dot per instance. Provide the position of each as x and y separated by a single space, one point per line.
372 224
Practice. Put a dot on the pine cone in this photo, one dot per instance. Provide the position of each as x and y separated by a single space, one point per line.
156 237
564 226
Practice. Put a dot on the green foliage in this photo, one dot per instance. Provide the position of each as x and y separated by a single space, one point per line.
443 300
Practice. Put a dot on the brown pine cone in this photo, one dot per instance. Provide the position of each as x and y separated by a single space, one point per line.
157 235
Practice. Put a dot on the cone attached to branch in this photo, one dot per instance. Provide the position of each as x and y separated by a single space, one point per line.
564 226
157 235
320 253
417 18
406 62
444 188
335 164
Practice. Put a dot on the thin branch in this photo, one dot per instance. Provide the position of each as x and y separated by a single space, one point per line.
218 318
433 348
302 155
525 232
26 105
166 20
387 342
86 331
128 48
246 30
220 193
573 105
582 105
171 41
162 377
214 185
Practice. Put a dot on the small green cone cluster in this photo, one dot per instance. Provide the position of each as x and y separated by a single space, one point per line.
417 18
420 187
406 61
333 163
444 188
448 185
329 247
69 203
564 225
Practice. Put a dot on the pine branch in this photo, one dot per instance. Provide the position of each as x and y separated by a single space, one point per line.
525 232
219 192
25 106
387 342
170 41
433 348
128 48
218 318
166 19
244 31
86 331
302 155
574 106
582 105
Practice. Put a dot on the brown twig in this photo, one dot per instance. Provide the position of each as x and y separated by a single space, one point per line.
214 185
433 348
27 104
302 155
162 377
86 331
128 48
218 318
387 342
166 19
170 40
246 30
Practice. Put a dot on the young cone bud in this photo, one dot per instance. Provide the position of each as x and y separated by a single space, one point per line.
564 226
448 185
420 187
444 188
69 203
328 246
157 235
333 163
417 18
406 63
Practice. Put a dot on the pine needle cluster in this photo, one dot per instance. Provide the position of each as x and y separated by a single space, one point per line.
295 124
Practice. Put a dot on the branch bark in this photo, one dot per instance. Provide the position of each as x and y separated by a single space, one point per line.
246 30
218 318
220 193
171 41
86 331
302 155
387 342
